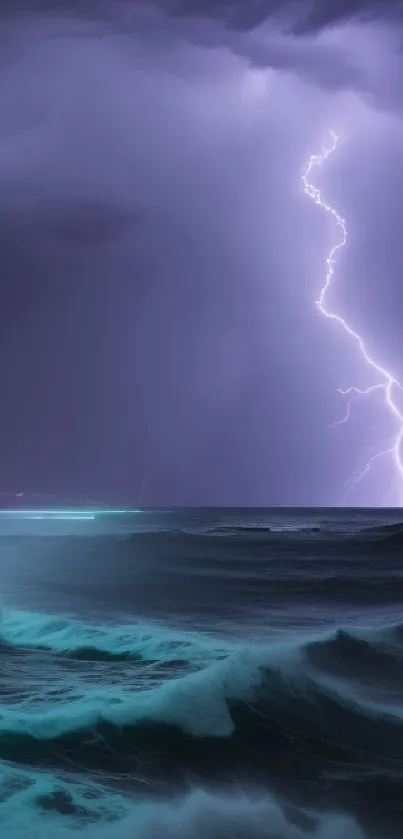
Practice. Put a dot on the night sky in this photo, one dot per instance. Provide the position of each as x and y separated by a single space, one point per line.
160 262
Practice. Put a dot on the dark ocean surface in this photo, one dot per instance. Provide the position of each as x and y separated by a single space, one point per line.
202 674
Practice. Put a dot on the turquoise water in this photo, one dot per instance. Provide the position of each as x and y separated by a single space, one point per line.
205 674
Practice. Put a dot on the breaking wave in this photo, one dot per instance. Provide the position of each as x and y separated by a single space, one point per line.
268 706
135 641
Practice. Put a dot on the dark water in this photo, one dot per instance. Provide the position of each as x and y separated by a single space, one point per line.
209 674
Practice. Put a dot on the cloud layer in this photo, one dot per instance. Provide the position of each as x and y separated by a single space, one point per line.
302 15
307 38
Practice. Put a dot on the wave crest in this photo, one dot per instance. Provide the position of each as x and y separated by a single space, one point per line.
266 712
131 642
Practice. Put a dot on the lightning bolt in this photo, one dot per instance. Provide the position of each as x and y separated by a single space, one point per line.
387 384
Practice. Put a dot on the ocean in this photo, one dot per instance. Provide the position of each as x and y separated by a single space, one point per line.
201 674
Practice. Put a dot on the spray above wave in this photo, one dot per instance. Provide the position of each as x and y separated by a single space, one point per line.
50 808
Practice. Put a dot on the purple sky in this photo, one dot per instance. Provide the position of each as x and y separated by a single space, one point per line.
160 261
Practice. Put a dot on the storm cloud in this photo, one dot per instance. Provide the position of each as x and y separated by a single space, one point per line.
303 15
294 36
307 15
160 262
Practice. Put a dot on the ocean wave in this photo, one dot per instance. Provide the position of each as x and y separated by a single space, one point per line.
42 804
389 529
353 533
291 715
373 660
239 530
389 536
43 807
125 642
317 537
260 712
360 650
393 633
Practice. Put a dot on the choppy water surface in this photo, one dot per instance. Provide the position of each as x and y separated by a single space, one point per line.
202 674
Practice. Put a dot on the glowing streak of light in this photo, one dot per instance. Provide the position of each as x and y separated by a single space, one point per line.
61 518
77 514
388 383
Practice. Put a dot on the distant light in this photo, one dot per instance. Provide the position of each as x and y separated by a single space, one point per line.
61 517
67 513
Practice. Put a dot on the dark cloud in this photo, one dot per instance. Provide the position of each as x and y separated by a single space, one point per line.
277 34
321 15
159 30
307 15
300 15
326 65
